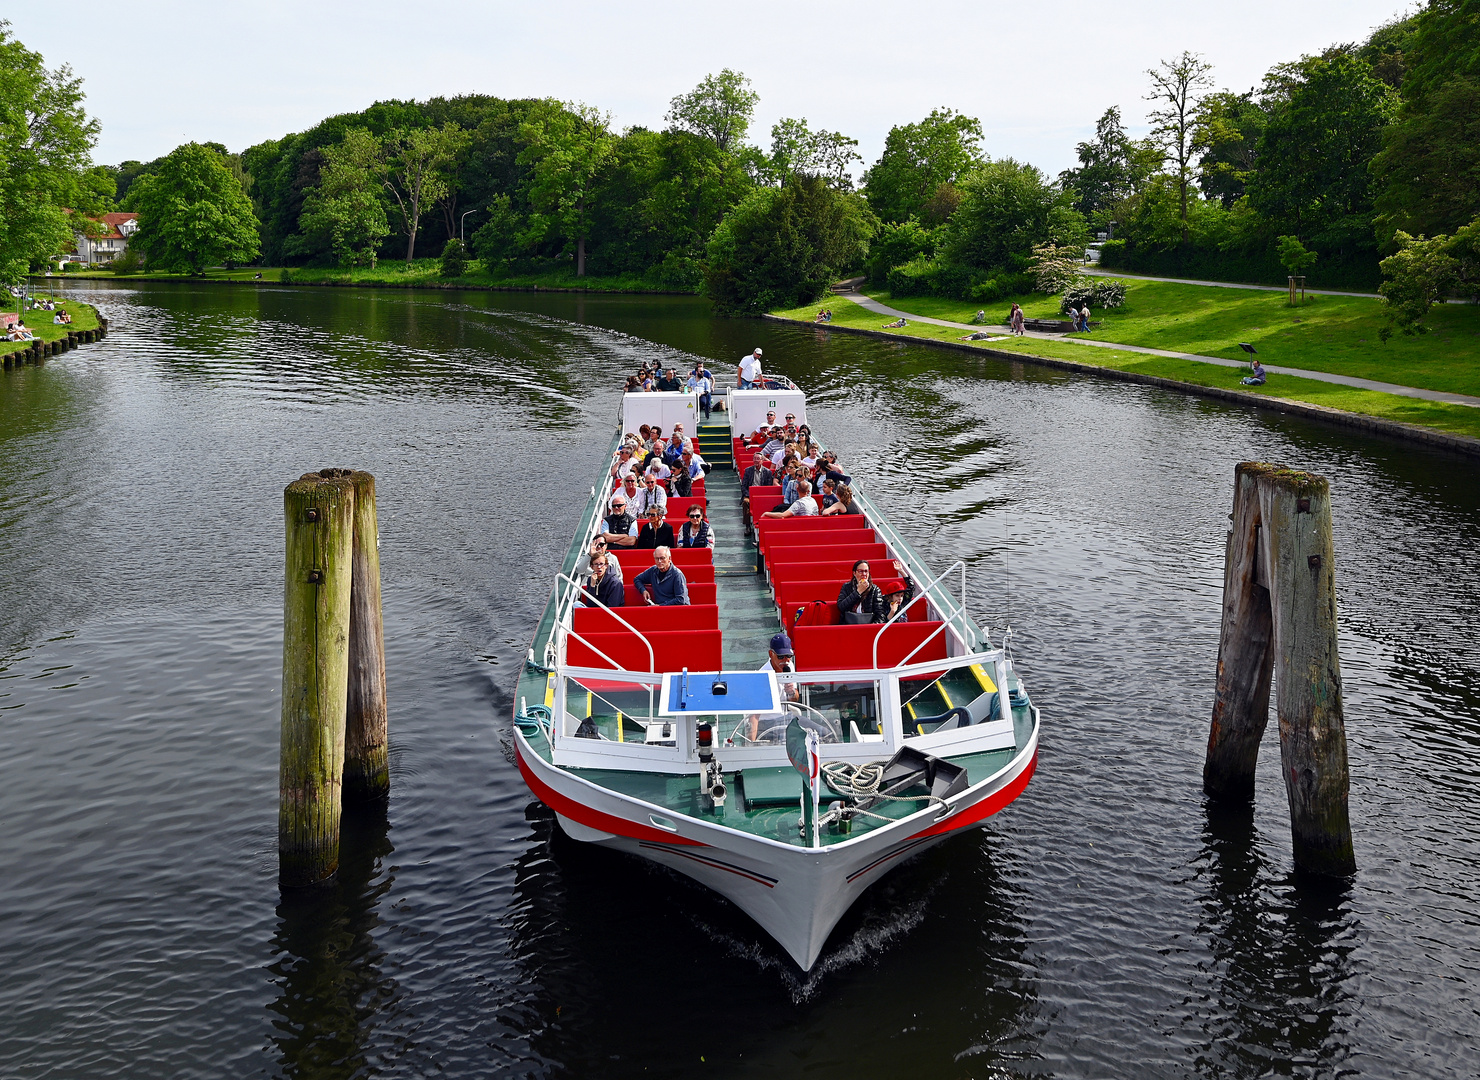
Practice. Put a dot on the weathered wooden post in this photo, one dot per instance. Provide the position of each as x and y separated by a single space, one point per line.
319 516
366 767
1279 619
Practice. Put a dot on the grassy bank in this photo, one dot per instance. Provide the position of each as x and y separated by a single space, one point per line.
84 317
1456 419
1336 334
424 273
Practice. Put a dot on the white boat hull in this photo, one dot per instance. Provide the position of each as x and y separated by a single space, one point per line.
796 894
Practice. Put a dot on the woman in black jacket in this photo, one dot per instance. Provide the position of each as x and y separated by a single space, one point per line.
655 532
859 600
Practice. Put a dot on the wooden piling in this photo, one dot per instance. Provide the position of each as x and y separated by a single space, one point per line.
366 767
319 516
1279 621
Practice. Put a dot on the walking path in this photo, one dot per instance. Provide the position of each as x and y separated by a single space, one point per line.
1097 272
870 304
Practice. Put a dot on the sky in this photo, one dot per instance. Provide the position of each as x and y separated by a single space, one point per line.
158 74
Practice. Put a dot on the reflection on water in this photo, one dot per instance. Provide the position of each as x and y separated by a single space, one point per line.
1107 924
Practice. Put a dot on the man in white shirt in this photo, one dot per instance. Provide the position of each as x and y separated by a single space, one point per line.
765 429
804 506
750 371
650 494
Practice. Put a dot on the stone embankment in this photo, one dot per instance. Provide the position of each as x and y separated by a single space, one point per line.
36 352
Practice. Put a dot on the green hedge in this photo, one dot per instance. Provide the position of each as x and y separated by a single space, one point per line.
927 277
1357 272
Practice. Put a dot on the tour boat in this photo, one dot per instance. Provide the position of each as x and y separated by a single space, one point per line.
665 732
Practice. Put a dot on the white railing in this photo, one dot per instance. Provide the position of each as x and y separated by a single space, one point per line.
939 629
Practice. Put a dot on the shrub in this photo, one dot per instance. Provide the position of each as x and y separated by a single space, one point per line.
1054 267
454 259
285 276
129 262
677 272
1096 292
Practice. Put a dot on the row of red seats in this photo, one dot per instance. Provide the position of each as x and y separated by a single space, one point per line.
808 559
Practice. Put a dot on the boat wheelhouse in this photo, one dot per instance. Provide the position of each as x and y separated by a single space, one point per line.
663 732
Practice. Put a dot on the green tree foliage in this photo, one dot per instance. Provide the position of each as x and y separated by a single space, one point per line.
415 172
193 213
565 148
454 259
45 140
1228 129
1418 276
1326 116
797 150
782 247
1429 166
1007 209
918 158
499 239
345 207
1112 168
897 243
1055 268
1294 256
720 109
1177 87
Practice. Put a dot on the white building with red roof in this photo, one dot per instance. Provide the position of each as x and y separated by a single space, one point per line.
111 240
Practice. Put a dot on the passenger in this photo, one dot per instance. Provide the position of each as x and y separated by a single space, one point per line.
681 484
702 383
623 466
695 533
654 532
898 594
586 558
788 449
845 503
663 583
859 600
764 430
749 375
827 488
791 421
773 442
692 463
634 385
758 475
645 433
674 450
603 585
804 506
620 528
789 475
630 490
781 661
651 496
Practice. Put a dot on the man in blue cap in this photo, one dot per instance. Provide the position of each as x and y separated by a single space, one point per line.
780 662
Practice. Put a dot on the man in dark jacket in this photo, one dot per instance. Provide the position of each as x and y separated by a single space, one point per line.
663 583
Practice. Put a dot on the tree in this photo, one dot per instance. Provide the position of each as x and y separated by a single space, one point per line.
720 108
1007 209
1428 170
345 207
918 159
1176 86
1326 116
499 238
797 150
565 149
45 141
454 259
193 213
1294 256
1228 130
1112 168
1418 275
784 246
416 164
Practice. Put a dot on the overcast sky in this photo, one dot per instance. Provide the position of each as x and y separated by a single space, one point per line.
161 73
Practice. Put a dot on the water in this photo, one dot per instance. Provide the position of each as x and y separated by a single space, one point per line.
1107 924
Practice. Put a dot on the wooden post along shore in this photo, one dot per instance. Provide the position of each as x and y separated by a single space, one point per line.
1279 623
334 709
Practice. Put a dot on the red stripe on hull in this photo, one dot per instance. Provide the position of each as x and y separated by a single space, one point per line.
596 819
988 806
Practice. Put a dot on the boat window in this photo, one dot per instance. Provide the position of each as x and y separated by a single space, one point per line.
616 711
838 711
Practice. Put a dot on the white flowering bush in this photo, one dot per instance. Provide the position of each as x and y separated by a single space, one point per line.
1097 292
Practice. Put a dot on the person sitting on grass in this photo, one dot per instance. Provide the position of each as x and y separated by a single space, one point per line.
896 324
663 584
1256 378
805 505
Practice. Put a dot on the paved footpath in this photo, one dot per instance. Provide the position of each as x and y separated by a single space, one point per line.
871 304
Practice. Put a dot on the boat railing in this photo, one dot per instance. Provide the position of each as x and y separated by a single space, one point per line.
969 632
577 589
958 564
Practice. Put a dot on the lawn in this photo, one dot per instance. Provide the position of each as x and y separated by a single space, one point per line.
1458 419
40 324
423 272
1336 334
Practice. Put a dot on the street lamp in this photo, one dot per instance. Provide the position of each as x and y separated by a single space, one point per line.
460 234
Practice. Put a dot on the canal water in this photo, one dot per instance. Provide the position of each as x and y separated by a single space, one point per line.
1107 924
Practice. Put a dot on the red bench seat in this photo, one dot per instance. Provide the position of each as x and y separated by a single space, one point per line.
781 559
838 648
774 540
642 558
700 593
645 618
672 649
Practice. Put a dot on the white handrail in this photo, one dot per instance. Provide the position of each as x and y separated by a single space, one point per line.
905 607
652 658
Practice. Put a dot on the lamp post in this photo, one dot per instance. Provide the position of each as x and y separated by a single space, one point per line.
461 236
